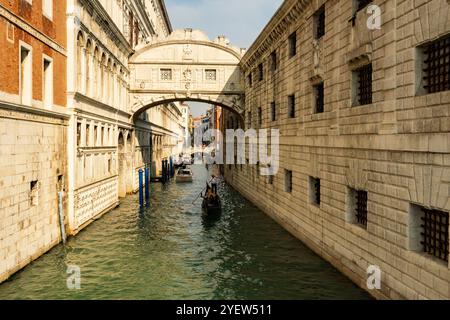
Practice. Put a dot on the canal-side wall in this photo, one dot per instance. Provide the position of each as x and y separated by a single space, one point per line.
396 148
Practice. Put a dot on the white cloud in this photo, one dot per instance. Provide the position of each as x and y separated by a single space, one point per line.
240 21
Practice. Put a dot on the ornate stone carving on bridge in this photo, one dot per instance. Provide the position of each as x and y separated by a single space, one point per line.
190 57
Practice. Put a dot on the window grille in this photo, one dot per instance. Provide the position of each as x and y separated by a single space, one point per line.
364 75
319 92
273 58
261 72
361 208
291 106
273 111
320 23
435 235
211 75
437 65
292 45
315 191
166 74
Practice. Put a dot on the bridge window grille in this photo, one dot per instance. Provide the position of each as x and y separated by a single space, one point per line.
436 72
435 233
211 75
320 23
166 74
319 98
314 184
361 4
364 76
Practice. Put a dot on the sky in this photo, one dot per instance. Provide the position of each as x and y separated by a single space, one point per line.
241 21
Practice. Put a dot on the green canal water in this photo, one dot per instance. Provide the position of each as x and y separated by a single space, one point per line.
171 251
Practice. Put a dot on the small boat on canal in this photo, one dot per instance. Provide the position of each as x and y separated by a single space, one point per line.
211 200
184 174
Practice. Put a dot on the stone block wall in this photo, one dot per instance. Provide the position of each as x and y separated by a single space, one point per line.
396 148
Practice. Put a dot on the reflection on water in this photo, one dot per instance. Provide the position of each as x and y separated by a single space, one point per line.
170 250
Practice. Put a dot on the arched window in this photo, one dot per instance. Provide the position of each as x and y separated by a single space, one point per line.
88 68
80 61
102 84
96 76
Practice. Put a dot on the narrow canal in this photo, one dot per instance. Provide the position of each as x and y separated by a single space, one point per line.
171 251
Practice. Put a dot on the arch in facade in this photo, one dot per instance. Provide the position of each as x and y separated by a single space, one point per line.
186 66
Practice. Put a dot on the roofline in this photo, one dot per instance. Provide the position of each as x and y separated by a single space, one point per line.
166 15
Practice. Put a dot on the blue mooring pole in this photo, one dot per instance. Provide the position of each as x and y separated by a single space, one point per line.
141 188
147 184
171 168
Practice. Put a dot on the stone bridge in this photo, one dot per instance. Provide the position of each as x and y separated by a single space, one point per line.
187 66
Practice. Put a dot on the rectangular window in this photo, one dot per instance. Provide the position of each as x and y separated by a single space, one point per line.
26 86
34 193
250 79
314 187
270 179
429 232
166 74
260 117
358 207
273 111
47 8
364 85
47 83
249 120
288 181
293 45
436 65
319 23
361 4
260 72
291 106
210 75
273 59
319 99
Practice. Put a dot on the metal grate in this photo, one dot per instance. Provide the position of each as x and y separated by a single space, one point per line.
437 65
166 74
320 23
273 58
211 74
435 233
361 208
260 117
365 85
362 4
319 90
260 72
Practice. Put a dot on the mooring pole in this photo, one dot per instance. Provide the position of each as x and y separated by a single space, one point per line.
147 184
141 188
171 168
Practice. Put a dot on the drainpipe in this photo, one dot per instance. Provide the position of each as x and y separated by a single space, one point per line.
61 216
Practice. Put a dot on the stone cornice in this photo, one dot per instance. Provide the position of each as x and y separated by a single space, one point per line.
82 98
103 19
16 111
139 8
162 4
277 26
24 25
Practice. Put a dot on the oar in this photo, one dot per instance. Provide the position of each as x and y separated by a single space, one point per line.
202 191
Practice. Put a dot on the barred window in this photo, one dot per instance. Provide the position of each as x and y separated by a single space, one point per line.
364 85
166 74
261 72
358 207
249 119
435 233
273 59
211 74
273 111
436 70
319 22
250 79
291 106
292 44
319 103
288 181
260 117
314 187
361 4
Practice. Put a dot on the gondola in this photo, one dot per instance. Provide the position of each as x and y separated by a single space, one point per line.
211 201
